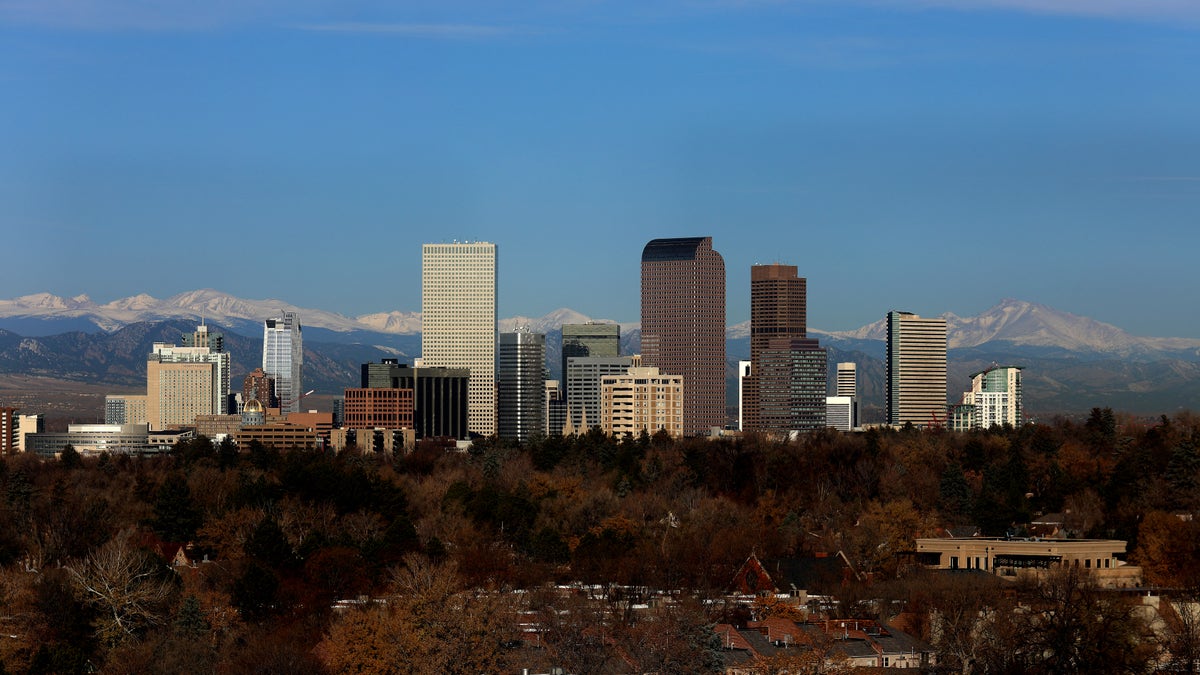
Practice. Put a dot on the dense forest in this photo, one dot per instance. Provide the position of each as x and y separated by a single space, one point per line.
426 550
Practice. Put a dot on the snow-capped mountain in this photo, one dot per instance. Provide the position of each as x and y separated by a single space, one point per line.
1030 324
1013 322
221 308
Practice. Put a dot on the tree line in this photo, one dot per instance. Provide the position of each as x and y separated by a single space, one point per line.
427 547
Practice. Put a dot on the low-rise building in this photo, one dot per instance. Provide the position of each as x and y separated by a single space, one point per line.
1015 558
92 439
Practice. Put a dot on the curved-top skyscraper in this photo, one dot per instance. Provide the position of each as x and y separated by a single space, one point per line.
683 324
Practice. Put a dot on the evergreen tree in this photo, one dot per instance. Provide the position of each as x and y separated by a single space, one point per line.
956 495
175 515
69 457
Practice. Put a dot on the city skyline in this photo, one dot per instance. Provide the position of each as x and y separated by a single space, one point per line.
832 136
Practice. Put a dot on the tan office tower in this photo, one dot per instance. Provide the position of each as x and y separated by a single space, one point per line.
176 392
847 379
683 324
916 370
458 321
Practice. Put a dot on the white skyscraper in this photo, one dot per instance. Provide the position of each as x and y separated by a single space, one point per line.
995 397
458 321
847 387
847 379
283 359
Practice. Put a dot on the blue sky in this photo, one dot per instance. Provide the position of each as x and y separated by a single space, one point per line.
928 156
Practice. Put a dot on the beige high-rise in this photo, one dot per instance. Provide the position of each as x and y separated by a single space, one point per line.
458 321
177 392
641 400
916 370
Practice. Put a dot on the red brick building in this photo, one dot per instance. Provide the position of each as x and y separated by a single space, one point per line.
377 407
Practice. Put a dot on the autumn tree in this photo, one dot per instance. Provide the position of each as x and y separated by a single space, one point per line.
672 638
1067 624
125 585
430 624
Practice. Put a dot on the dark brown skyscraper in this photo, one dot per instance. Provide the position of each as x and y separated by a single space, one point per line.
778 306
683 324
786 388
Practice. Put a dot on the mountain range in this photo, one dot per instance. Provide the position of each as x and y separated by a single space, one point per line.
1072 363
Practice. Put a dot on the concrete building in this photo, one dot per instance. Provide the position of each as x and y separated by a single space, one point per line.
378 375
202 345
995 397
683 324
440 395
183 382
458 321
846 386
961 416
216 427
9 430
782 393
91 439
283 358
1017 558
839 413
743 374
642 399
778 306
29 424
847 379
279 435
202 337
583 386
556 408
125 409
589 339
916 370
320 422
381 440
789 384
521 385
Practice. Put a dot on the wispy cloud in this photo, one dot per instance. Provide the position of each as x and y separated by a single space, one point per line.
1165 10
423 30
1117 9
458 19
136 15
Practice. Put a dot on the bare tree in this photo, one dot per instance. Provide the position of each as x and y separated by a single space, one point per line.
1184 640
125 585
